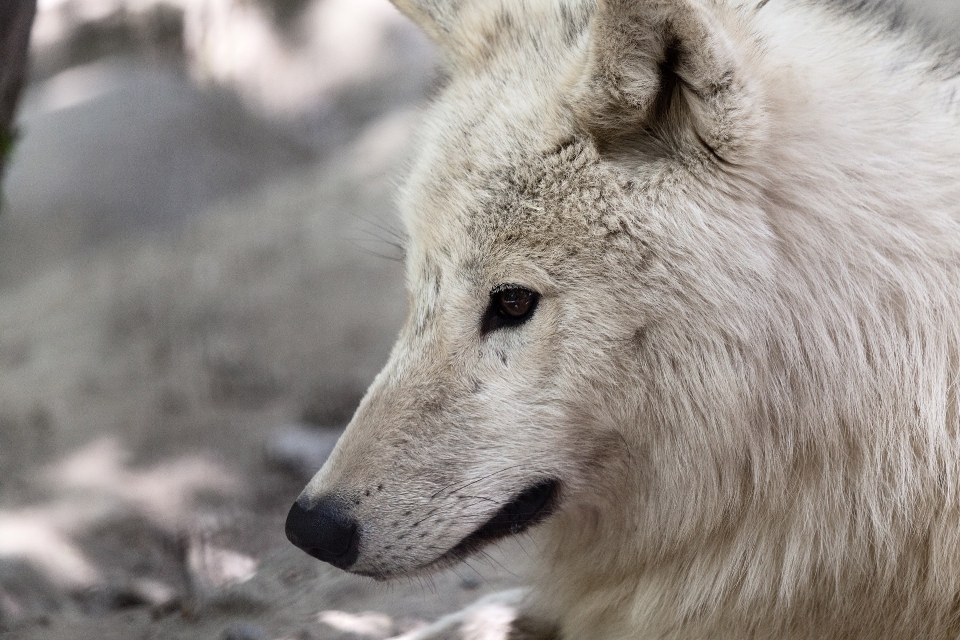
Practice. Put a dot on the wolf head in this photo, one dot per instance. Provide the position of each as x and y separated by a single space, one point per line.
581 229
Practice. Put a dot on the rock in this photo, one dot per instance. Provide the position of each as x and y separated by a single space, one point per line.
301 449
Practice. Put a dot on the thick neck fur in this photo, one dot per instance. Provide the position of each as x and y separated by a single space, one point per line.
803 467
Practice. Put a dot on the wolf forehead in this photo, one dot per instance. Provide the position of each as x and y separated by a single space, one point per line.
555 203
516 178
501 161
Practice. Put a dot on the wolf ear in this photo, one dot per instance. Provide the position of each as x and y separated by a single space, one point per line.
664 77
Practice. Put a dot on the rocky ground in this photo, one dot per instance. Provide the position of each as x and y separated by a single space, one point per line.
195 290
199 275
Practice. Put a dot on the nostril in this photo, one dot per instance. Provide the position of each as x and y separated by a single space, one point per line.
325 530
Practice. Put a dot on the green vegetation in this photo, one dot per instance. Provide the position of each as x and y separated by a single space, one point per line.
8 140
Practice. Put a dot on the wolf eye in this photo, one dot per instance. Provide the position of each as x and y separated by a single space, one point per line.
509 307
516 303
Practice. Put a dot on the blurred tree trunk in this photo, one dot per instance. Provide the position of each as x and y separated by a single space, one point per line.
16 18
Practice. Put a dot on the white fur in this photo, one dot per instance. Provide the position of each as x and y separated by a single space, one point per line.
744 366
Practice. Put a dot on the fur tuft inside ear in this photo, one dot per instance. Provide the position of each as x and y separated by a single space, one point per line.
664 77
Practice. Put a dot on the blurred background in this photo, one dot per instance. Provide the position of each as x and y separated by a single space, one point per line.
199 275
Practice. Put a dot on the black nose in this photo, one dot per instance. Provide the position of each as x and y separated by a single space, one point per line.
325 530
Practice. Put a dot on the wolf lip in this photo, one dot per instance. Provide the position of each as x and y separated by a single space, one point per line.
528 508
531 506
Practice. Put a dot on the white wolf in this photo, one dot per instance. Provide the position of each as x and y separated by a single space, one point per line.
685 303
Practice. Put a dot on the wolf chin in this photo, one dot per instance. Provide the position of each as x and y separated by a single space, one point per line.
684 286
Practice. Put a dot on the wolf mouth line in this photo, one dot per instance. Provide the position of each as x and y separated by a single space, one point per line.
529 508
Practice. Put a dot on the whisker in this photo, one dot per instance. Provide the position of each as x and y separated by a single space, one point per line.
473 482
429 513
357 243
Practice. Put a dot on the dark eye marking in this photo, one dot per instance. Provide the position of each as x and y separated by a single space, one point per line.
510 306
